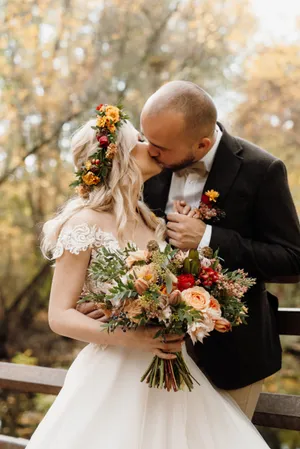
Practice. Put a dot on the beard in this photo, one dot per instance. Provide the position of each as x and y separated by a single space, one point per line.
180 165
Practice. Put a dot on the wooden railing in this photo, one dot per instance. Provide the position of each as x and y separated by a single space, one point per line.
273 410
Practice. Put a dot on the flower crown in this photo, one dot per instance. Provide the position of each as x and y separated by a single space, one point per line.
97 168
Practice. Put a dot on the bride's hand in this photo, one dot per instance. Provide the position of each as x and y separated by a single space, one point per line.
143 338
181 207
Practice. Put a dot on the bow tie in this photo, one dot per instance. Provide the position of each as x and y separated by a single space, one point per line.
197 167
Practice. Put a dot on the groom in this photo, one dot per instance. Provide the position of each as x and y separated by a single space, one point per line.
260 232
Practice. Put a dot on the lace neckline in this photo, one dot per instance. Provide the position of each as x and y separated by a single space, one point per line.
82 236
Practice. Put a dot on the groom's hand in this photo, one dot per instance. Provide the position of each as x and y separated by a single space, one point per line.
90 309
184 232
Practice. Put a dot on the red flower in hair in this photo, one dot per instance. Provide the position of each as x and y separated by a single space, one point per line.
99 107
103 140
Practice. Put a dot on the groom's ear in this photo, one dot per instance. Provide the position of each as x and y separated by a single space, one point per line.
205 144
203 147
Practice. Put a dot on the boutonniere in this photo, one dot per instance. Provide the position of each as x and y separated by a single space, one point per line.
208 207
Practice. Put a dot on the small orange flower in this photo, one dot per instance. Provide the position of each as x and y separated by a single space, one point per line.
133 309
163 290
101 122
212 195
111 151
90 179
110 124
113 113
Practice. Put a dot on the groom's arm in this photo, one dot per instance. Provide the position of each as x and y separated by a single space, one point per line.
274 255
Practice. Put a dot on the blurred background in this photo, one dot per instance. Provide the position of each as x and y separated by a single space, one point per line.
58 60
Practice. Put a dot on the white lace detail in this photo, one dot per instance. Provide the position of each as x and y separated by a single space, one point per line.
81 237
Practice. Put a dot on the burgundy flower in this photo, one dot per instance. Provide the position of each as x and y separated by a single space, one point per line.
103 140
205 199
185 281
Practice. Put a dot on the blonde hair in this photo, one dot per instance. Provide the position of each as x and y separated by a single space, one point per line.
119 195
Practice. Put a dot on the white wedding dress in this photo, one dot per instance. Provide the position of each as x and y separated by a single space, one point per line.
103 404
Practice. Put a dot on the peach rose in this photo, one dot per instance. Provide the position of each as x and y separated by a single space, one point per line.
214 310
198 331
197 297
136 256
222 325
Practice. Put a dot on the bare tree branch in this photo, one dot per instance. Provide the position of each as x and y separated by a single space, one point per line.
38 147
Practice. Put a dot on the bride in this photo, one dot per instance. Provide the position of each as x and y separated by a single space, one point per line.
102 403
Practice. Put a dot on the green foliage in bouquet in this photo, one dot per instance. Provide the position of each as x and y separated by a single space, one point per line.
179 292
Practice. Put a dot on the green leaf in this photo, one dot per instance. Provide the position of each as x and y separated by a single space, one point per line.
169 283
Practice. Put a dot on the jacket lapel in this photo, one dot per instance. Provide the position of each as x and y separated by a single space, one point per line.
225 167
156 192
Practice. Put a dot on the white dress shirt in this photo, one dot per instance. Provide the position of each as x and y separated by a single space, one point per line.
190 187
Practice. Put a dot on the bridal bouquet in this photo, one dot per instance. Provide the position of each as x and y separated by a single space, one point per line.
180 292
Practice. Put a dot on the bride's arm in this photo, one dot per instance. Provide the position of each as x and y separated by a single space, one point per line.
64 319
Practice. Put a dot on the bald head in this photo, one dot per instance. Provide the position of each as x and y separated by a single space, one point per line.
193 103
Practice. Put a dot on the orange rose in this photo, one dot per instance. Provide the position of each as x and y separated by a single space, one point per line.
222 325
197 297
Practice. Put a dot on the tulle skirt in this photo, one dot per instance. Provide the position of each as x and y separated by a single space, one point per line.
103 405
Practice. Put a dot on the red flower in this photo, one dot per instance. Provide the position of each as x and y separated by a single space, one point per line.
208 276
185 281
99 107
205 199
103 140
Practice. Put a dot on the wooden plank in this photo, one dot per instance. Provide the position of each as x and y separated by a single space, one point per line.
7 442
289 321
281 411
31 379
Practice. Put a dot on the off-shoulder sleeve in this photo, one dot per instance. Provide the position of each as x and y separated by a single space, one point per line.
77 238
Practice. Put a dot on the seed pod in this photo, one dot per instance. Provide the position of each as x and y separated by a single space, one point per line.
207 252
152 246
186 266
195 267
175 298
193 254
141 286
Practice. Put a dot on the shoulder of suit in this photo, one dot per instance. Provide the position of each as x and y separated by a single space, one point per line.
253 153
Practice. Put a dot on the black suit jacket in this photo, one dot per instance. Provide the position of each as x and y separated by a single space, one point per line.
261 234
